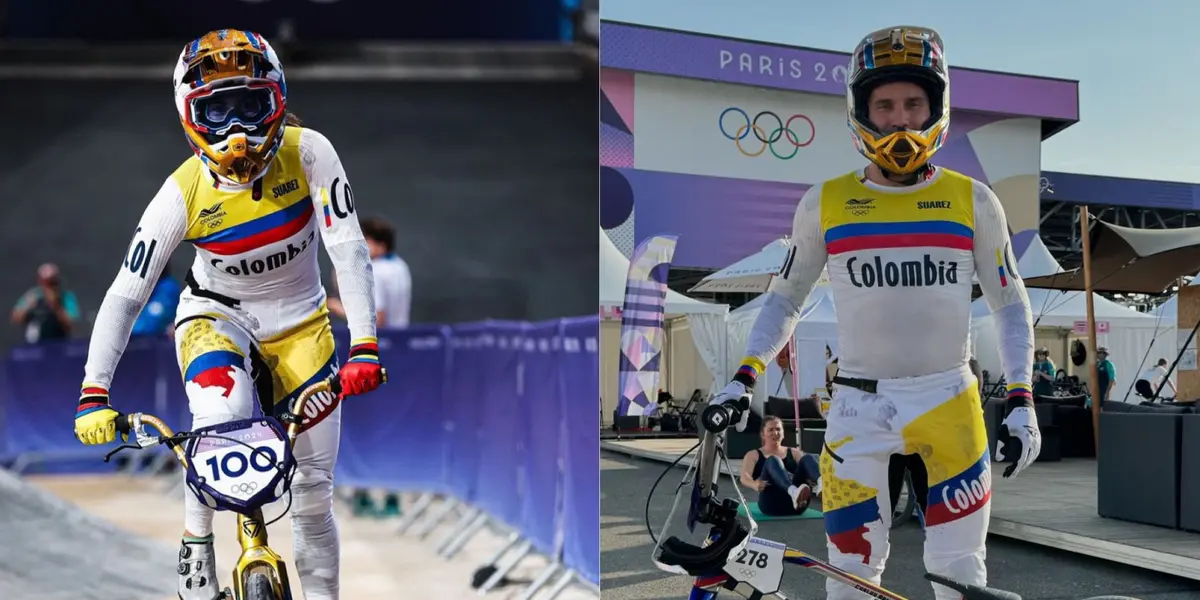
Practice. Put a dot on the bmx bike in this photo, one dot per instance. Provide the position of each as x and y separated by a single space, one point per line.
731 557
239 466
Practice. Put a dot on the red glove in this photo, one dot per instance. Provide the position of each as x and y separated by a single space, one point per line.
362 372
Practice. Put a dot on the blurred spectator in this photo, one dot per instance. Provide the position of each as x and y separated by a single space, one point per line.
1107 374
1043 373
393 301
585 20
393 280
47 311
158 317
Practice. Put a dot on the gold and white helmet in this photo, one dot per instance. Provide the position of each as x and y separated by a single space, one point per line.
232 101
901 53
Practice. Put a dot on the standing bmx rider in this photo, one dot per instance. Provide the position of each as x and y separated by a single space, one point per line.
902 239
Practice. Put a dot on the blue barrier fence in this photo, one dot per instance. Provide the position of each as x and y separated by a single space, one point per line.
499 415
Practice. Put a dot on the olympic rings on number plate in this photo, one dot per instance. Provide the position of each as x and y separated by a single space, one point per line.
781 131
244 488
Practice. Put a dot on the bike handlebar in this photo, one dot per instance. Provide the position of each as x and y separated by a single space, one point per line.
716 418
133 422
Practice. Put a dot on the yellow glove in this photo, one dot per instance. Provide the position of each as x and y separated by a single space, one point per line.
95 420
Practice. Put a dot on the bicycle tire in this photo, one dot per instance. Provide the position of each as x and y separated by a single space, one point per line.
258 587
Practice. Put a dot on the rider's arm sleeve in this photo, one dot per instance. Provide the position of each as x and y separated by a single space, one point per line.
781 307
158 233
996 268
340 232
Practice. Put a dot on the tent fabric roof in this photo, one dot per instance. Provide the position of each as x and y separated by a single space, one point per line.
1057 308
1126 259
614 269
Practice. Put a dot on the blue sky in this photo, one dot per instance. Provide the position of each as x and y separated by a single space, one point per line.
1137 63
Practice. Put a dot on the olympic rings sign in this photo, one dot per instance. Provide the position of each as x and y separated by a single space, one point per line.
244 488
794 133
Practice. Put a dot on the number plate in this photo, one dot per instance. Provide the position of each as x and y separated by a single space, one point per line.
760 565
235 470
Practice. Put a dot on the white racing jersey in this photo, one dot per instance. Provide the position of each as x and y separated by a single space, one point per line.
255 243
901 263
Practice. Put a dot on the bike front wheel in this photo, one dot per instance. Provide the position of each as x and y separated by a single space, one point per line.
258 587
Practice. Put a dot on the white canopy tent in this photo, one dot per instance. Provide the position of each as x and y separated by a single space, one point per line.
816 330
706 320
751 274
1037 261
1130 333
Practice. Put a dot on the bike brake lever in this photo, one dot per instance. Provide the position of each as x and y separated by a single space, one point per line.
120 448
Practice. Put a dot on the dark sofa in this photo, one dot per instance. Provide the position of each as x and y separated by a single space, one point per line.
1149 466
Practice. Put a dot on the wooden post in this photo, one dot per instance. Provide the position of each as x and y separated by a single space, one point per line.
1094 379
1187 377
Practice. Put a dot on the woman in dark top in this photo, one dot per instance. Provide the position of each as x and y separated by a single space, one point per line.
783 477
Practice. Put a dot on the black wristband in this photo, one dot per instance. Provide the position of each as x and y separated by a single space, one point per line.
1018 401
745 380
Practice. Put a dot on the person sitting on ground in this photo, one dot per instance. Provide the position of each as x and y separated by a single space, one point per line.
1153 379
783 477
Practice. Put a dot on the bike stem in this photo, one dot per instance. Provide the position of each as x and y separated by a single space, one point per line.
252 530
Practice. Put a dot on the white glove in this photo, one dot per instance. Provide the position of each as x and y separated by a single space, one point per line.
1022 428
733 392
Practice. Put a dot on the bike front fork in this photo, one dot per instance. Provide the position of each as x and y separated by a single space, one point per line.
258 557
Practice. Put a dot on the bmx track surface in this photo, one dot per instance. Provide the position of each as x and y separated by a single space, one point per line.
112 536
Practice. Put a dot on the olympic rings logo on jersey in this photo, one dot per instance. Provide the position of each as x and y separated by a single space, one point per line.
244 488
767 129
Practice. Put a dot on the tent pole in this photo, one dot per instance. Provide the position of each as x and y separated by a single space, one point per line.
793 366
1094 376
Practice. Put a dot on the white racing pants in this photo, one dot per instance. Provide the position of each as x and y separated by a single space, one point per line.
265 353
938 417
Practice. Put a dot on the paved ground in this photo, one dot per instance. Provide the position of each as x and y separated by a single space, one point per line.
1035 572
110 536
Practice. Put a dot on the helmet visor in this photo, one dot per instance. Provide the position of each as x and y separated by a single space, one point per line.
250 106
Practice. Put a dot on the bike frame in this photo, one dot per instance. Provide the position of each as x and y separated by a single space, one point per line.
714 421
791 556
257 555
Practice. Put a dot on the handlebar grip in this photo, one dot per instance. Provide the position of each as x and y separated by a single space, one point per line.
718 417
122 423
